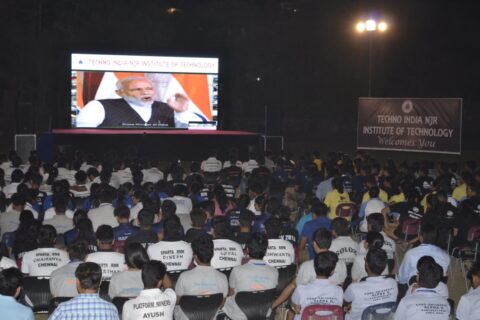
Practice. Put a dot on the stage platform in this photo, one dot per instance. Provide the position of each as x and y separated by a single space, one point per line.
160 144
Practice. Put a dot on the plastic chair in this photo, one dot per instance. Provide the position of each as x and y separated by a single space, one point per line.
346 210
411 227
37 290
119 302
322 312
174 275
380 311
201 307
285 275
256 305
226 271
54 302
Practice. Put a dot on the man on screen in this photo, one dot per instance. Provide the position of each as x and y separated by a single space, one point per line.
136 108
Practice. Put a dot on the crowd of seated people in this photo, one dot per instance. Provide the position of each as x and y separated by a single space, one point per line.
124 228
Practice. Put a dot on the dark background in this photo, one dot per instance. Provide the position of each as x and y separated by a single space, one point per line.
312 64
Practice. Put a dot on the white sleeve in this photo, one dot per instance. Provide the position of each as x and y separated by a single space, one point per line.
348 295
357 270
91 116
296 297
463 309
400 312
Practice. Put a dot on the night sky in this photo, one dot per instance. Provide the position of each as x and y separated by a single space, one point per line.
312 64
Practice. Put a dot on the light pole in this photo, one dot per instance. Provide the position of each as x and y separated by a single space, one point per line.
370 27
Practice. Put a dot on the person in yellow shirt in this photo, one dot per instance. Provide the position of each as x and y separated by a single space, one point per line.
370 181
460 192
335 197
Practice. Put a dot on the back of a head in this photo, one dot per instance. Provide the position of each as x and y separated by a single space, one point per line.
320 209
46 236
323 238
340 226
373 192
169 208
337 184
10 280
89 274
428 234
221 227
135 255
246 218
77 250
429 274
180 190
376 221
202 247
152 273
104 234
374 240
171 229
257 246
474 271
17 176
18 199
60 202
198 217
243 201
122 212
324 263
145 218
273 227
376 260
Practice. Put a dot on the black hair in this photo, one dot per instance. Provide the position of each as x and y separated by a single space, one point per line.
46 236
429 233
60 203
198 217
337 184
324 263
257 246
202 247
376 260
273 227
246 218
10 280
152 273
180 190
376 221
474 270
221 227
104 234
429 274
122 212
320 209
81 177
374 240
135 255
78 250
18 199
79 214
169 208
89 274
243 201
323 238
17 176
221 197
373 192
172 229
145 218
340 226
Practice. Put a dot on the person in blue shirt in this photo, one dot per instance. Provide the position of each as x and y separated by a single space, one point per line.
124 229
320 220
10 286
307 217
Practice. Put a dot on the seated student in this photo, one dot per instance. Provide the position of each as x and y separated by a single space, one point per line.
128 283
62 280
183 204
424 302
10 287
60 220
70 235
373 240
320 291
87 304
335 197
289 232
308 215
42 261
171 250
375 289
343 245
104 213
80 189
146 236
124 229
152 302
280 252
244 233
441 288
255 275
233 215
138 197
410 209
227 253
371 181
110 261
428 236
319 220
199 218
468 306
203 279
5 261
376 223
374 205
9 220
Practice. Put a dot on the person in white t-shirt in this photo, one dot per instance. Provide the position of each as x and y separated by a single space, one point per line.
469 304
152 302
343 245
372 240
203 279
171 250
375 289
441 288
104 213
322 239
110 261
280 252
425 302
212 164
374 205
60 220
43 261
183 205
227 253
320 291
